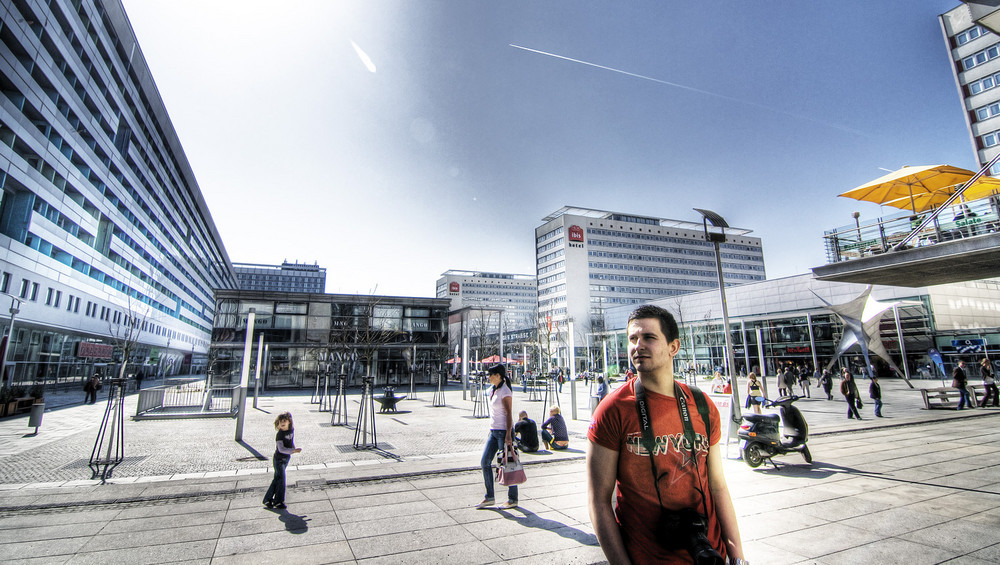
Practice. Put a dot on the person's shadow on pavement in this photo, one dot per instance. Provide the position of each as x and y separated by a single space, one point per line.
531 520
294 523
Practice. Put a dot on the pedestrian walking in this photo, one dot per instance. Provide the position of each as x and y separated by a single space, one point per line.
960 381
284 448
805 382
827 381
989 381
755 394
850 392
787 381
875 392
90 388
602 388
501 434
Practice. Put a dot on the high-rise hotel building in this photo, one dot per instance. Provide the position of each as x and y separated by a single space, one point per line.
101 218
975 53
589 260
514 295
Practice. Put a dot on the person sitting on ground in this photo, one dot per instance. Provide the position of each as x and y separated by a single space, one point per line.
558 438
526 433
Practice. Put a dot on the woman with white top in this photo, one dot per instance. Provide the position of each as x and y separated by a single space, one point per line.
501 435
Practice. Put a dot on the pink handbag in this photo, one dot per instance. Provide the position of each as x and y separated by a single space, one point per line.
509 469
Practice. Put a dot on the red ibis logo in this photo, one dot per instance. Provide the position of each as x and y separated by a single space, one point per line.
454 287
575 233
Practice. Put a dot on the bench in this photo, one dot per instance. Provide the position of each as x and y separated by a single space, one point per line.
942 397
23 404
977 392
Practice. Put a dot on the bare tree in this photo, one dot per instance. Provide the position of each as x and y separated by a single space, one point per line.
125 329
482 329
545 336
371 331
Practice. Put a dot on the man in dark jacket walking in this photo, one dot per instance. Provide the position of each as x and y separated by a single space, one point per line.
875 391
850 392
960 381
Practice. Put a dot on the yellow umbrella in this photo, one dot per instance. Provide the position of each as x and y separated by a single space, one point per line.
982 188
908 183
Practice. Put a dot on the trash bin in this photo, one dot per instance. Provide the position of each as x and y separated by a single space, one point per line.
594 401
35 419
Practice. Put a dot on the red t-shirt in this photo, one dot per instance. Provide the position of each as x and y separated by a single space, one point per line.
616 426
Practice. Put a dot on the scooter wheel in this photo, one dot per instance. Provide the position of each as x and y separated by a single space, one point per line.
806 455
753 456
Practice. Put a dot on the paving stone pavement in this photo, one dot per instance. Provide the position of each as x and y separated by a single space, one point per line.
916 487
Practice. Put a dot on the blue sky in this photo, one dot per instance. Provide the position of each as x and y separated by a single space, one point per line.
448 155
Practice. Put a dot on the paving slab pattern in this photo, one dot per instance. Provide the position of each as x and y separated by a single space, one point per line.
916 487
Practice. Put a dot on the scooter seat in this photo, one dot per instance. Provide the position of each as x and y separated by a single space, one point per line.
759 417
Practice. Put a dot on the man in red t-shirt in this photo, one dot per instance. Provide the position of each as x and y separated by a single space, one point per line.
617 457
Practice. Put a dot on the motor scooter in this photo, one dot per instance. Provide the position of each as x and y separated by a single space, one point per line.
761 436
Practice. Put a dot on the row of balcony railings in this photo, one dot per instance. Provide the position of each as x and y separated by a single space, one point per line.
878 236
193 398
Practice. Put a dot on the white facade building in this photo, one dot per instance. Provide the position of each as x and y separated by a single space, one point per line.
975 52
591 260
515 295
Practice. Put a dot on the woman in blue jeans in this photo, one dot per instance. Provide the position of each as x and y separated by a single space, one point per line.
501 435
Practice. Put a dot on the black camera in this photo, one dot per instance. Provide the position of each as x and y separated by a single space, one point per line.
687 529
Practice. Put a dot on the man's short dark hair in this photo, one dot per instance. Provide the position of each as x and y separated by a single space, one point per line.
667 323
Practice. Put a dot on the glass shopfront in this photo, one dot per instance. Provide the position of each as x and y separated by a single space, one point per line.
356 336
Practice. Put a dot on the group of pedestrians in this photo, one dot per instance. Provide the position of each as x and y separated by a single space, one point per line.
960 380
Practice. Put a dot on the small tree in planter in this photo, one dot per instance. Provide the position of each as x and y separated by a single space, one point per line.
37 392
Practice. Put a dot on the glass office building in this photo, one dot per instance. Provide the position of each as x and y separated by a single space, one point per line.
785 320
102 222
286 277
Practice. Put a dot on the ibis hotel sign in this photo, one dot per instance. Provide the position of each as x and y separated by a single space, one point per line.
575 236
454 288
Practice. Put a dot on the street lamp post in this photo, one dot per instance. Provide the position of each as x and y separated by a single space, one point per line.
718 237
15 308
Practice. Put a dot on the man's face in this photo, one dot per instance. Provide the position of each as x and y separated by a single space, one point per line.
648 348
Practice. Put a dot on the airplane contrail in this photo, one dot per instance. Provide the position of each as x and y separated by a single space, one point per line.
365 59
690 88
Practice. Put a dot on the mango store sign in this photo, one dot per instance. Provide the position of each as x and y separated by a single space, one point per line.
258 322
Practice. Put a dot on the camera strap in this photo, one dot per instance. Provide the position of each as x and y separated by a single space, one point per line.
646 424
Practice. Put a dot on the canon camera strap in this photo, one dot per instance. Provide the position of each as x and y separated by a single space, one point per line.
646 423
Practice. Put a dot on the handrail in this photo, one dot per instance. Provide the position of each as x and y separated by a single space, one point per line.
933 216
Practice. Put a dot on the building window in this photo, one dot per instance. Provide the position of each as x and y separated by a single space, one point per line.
991 139
981 57
987 112
984 84
34 292
968 35
5 282
23 293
